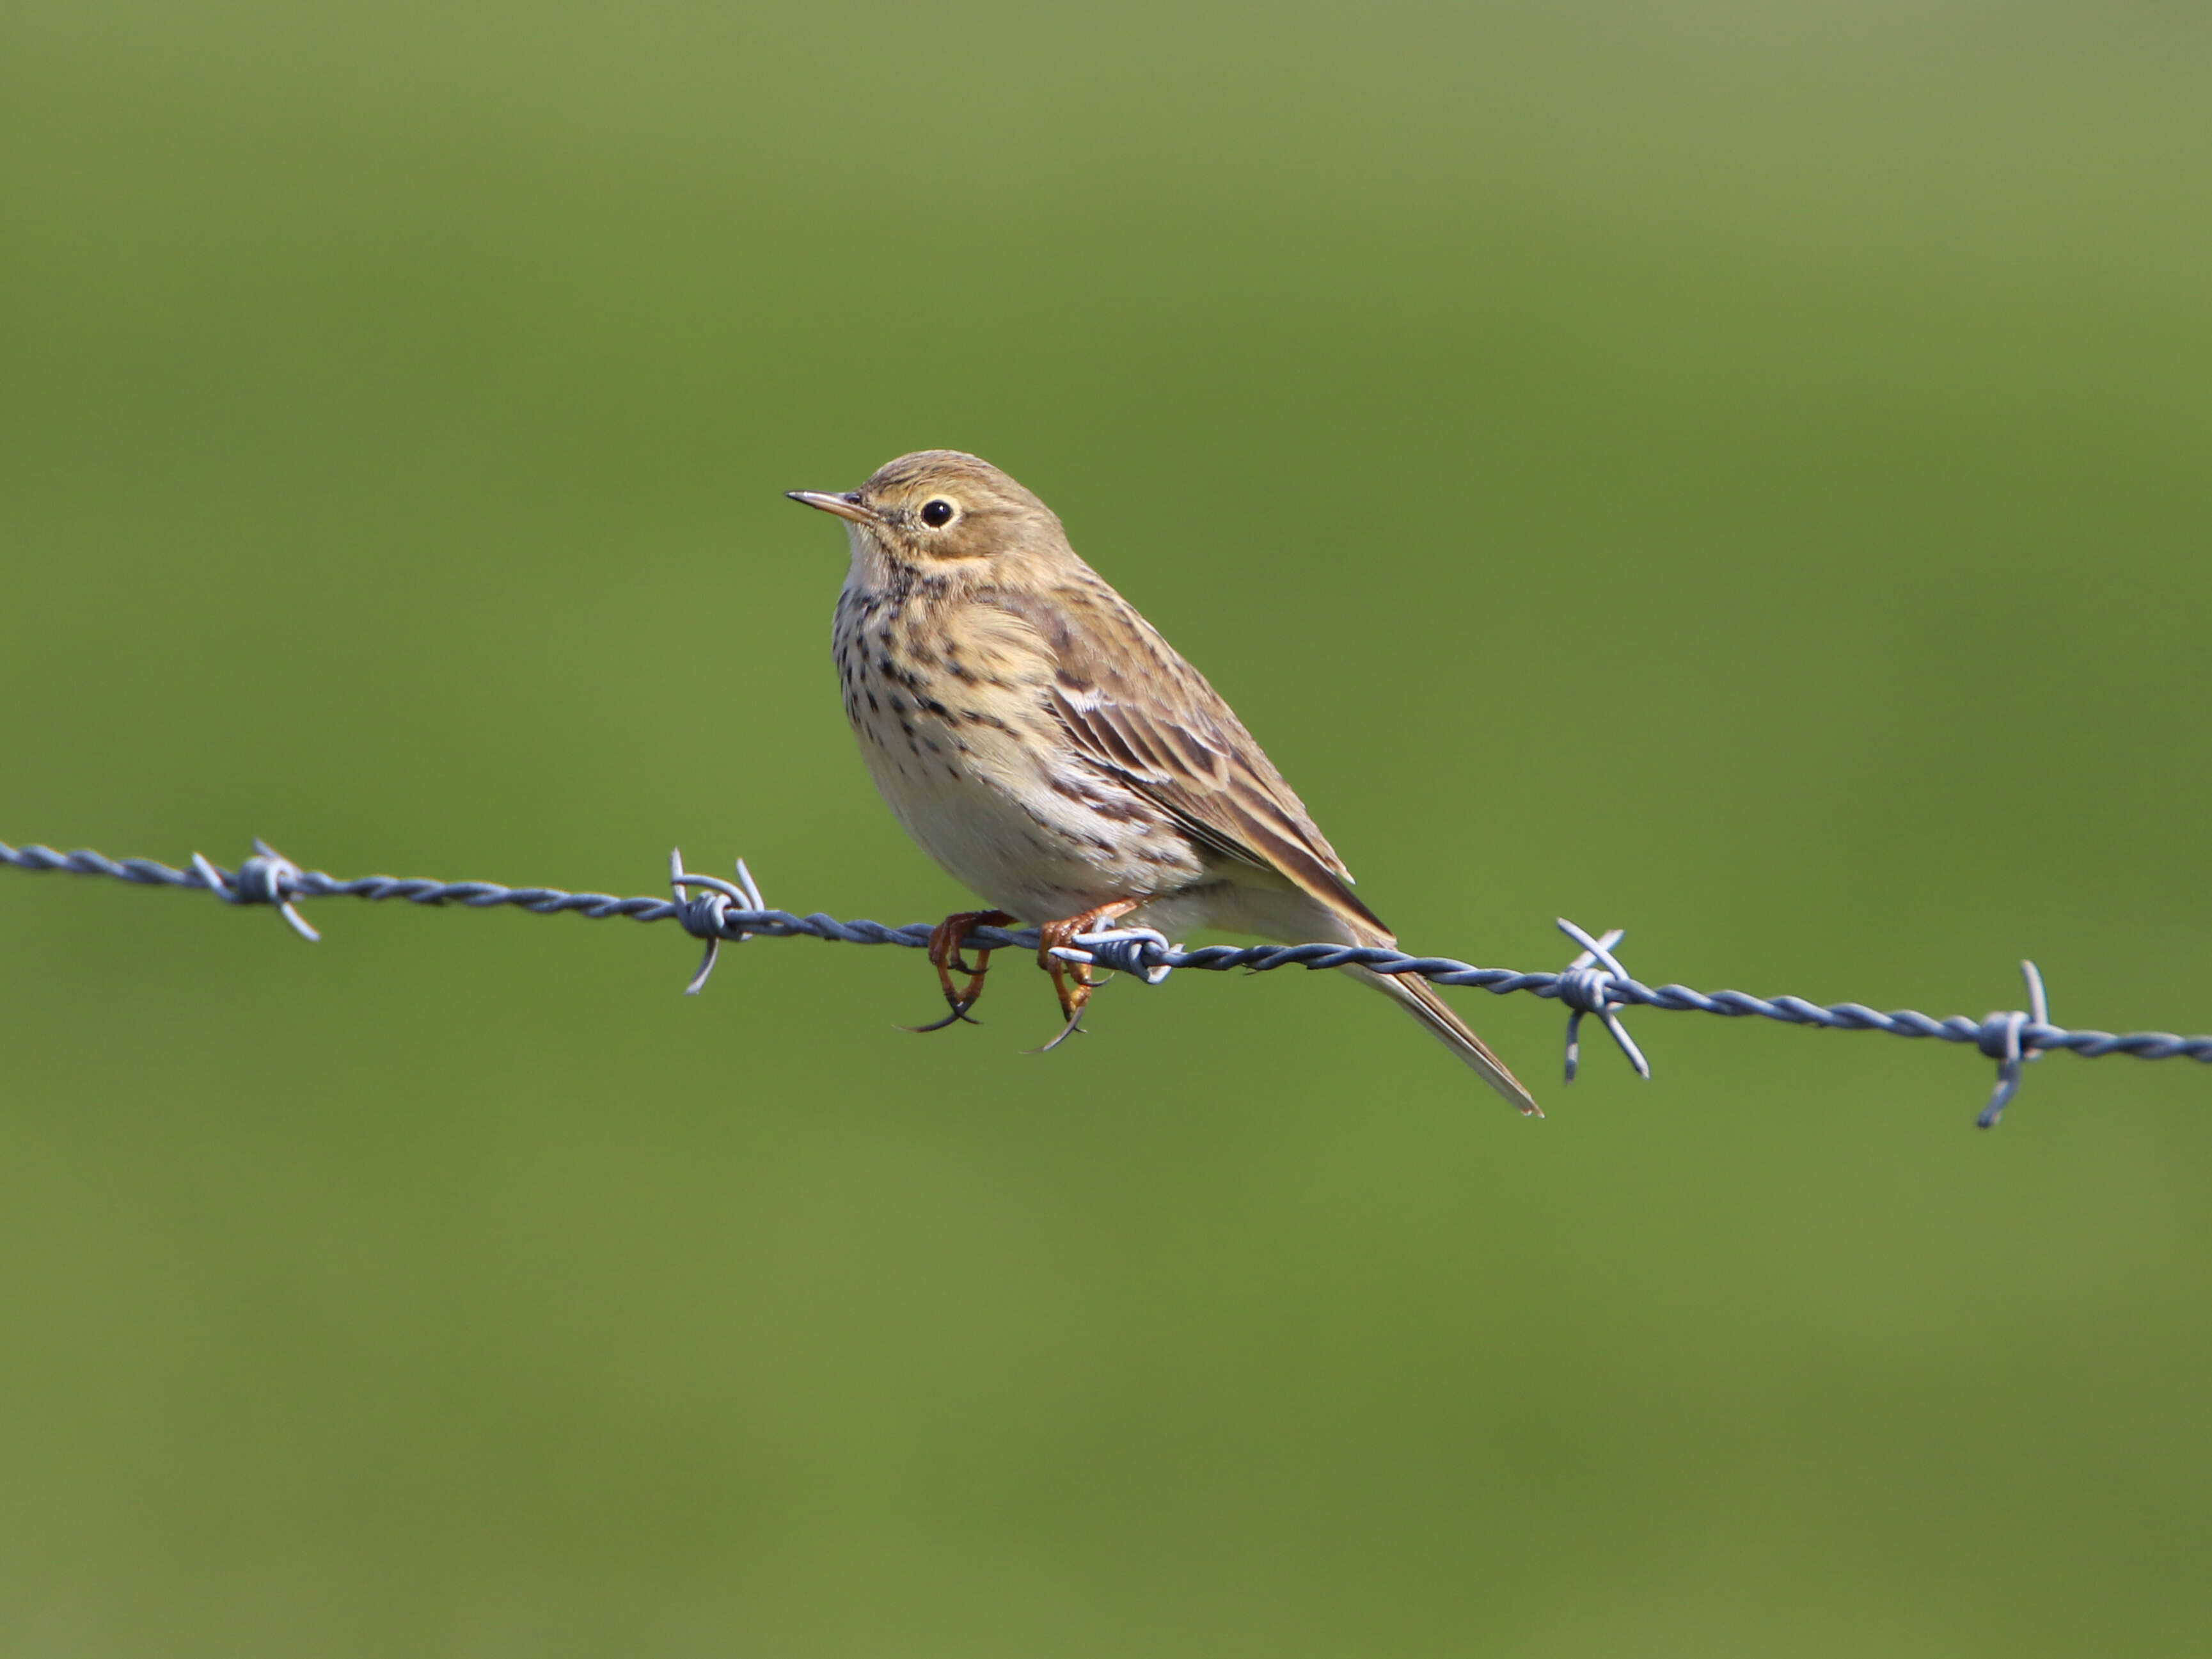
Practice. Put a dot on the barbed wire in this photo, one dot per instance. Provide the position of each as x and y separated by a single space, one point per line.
721 912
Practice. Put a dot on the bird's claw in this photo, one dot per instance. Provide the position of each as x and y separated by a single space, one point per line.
945 957
1072 981
1073 1028
959 1013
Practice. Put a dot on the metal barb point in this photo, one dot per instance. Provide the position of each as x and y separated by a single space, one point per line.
1586 985
267 878
705 916
1134 950
2001 1040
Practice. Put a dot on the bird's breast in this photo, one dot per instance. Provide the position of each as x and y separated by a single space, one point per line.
948 704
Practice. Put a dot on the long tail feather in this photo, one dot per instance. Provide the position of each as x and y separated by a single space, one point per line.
1420 998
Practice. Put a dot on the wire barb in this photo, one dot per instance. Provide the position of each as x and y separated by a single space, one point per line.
707 915
1586 987
2008 1037
1143 953
267 878
721 911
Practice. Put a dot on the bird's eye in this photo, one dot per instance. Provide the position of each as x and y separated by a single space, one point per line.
937 514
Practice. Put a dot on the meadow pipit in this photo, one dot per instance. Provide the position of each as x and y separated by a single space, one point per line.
1042 742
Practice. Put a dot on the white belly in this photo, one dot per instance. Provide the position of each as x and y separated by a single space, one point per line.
980 802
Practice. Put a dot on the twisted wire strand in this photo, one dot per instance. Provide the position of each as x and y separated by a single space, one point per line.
720 912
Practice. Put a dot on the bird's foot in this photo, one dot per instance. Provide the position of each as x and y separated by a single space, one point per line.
945 957
1073 981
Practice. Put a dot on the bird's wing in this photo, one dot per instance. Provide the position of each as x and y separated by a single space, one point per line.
1133 707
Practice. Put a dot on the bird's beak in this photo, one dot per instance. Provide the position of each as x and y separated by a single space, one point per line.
845 507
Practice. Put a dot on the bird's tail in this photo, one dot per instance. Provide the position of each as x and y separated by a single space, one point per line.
1418 998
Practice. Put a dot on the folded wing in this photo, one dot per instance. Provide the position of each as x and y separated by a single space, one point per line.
1135 709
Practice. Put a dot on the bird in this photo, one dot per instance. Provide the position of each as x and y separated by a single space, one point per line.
1054 754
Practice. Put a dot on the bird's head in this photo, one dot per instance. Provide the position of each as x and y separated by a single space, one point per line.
939 509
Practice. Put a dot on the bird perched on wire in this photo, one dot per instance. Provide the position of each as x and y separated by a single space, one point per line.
1040 740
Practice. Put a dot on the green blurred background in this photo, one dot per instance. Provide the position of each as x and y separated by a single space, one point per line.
1734 472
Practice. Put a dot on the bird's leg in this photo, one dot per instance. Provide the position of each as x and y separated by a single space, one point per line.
1072 980
945 957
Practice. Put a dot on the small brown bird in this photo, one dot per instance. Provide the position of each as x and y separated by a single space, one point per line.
1042 742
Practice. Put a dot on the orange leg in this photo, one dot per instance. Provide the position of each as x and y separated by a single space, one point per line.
945 957
1072 980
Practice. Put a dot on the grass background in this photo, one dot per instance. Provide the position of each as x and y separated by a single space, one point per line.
1733 471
